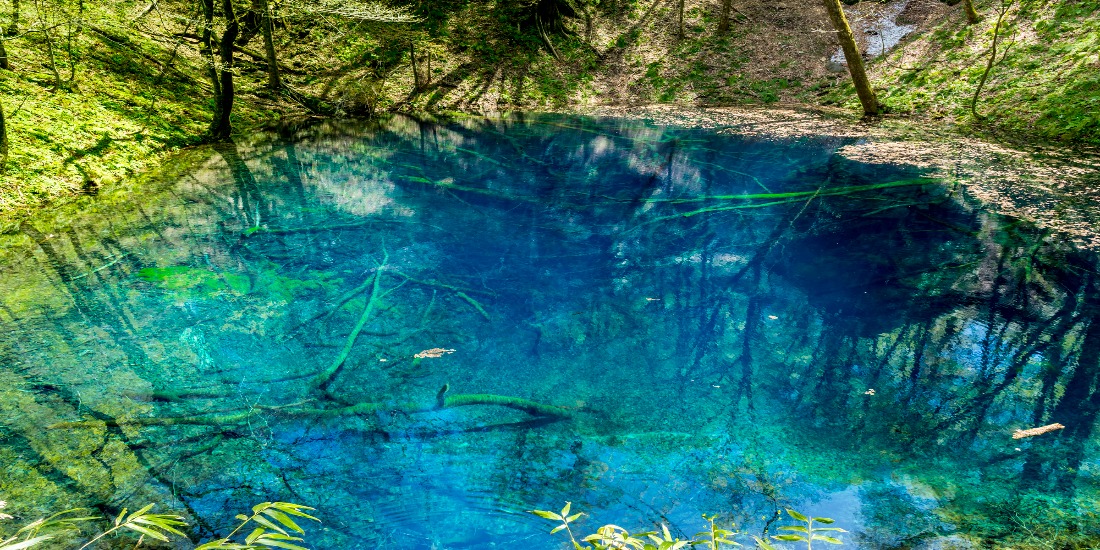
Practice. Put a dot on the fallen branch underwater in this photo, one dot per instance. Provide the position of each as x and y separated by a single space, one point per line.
321 381
800 194
442 401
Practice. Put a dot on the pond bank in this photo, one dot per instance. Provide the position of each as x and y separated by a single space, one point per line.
1049 185
1052 186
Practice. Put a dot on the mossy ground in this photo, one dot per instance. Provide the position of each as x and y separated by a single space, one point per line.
1045 83
119 114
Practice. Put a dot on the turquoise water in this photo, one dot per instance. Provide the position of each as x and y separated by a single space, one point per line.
682 322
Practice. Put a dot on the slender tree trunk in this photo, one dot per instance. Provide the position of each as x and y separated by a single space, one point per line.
416 72
49 47
70 35
992 59
220 127
680 19
972 15
53 61
855 60
14 28
206 50
4 64
723 16
274 82
3 141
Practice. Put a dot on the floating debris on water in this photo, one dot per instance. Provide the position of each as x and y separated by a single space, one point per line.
1020 434
433 353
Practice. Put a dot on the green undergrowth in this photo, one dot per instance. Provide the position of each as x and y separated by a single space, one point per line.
1045 83
119 115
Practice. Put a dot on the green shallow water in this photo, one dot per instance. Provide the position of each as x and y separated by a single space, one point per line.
682 322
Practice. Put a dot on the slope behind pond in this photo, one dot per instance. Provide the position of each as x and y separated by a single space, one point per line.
651 321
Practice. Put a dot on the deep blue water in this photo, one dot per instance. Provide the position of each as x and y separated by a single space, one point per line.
727 325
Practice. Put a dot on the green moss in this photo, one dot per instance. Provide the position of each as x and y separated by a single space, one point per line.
195 281
1044 84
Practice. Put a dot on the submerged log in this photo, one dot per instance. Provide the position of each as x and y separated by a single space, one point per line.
322 380
297 410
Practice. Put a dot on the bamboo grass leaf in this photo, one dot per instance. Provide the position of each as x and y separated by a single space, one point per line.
146 531
268 523
140 512
294 509
168 526
283 519
277 536
547 515
255 534
27 543
763 544
790 538
798 528
796 515
280 544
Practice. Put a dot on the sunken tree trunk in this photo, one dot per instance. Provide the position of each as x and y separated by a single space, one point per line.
972 15
855 60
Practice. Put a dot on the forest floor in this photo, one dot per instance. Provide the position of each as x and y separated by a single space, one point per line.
124 96
1043 85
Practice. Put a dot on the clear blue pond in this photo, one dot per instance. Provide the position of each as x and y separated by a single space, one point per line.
651 322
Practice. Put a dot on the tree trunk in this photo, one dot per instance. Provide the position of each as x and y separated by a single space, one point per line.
416 72
220 126
52 55
723 16
3 141
972 15
4 64
854 59
680 19
14 28
206 50
273 80
992 59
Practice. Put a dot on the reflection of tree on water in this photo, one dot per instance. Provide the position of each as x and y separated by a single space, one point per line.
641 276
963 369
